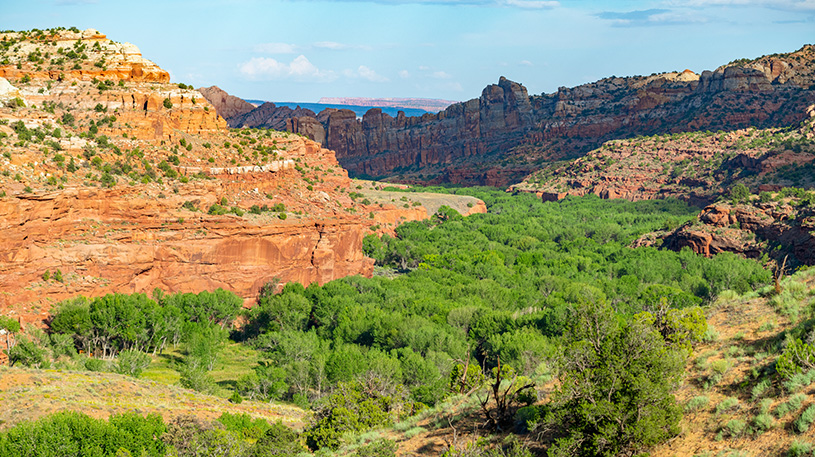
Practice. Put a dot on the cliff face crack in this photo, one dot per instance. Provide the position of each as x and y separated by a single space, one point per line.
316 246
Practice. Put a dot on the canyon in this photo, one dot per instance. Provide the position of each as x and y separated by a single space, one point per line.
506 134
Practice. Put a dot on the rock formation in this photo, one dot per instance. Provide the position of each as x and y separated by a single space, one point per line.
697 166
778 229
123 182
228 106
505 134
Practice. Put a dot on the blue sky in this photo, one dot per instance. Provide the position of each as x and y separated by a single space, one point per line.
300 50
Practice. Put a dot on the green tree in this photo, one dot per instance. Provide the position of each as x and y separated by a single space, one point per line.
27 353
739 193
617 381
132 362
9 327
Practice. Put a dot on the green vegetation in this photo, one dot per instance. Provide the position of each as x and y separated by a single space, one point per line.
130 434
511 291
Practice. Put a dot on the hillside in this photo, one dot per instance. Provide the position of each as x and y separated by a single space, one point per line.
124 182
694 166
505 134
29 394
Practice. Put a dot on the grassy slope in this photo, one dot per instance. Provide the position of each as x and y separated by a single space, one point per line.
29 394
746 337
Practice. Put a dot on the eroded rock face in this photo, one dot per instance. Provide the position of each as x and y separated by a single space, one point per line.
750 230
498 137
228 106
268 115
696 167
119 61
112 240
128 184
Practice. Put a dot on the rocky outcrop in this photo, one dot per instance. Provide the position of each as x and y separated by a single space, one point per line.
94 56
503 135
775 228
228 106
379 143
269 116
9 94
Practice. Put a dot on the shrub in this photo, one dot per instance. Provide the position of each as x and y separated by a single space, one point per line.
351 408
764 422
94 364
236 398
803 423
796 401
378 448
527 417
739 193
27 353
799 449
598 352
727 404
190 437
760 389
797 356
167 103
278 440
735 427
132 362
70 433
696 403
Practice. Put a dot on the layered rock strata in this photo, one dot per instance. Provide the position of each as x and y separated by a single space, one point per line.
505 134
114 180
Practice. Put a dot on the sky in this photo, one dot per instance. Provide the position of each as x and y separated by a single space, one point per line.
301 50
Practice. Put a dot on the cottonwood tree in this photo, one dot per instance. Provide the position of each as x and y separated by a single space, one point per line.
8 327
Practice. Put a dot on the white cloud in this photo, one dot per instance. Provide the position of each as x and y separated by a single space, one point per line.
276 48
366 73
531 4
300 69
441 75
800 5
334 46
404 74
652 17
330 45
526 63
424 67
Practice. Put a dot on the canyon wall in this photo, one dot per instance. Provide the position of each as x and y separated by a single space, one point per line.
502 136
123 182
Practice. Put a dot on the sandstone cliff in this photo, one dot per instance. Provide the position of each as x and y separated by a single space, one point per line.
122 182
504 135
696 166
226 105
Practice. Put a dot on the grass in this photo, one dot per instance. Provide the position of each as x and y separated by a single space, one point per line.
234 361
27 394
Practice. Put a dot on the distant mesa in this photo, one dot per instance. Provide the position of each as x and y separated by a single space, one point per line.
431 105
